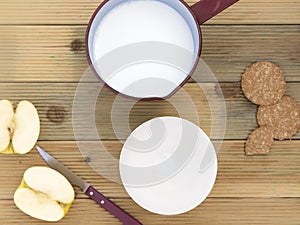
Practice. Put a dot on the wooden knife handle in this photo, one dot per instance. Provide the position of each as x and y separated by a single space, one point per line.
111 207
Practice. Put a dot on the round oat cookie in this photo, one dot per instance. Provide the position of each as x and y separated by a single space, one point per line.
259 141
263 83
284 117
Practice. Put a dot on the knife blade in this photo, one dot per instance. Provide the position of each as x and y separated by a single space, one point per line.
55 164
88 189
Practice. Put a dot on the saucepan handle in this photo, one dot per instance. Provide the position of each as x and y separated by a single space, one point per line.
206 9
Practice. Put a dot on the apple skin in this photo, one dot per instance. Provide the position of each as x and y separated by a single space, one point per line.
9 150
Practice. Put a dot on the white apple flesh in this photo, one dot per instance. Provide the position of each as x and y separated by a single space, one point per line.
6 120
44 194
18 131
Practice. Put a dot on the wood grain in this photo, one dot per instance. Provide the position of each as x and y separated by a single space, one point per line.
275 175
249 211
56 53
54 103
79 12
42 59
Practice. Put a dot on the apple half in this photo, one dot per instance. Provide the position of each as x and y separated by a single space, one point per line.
19 131
44 194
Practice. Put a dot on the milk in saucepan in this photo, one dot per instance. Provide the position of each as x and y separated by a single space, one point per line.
144 21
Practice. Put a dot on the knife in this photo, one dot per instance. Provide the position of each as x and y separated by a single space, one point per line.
89 190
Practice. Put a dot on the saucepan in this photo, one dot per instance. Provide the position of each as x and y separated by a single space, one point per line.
147 49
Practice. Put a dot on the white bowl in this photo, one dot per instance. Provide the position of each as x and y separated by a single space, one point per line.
168 165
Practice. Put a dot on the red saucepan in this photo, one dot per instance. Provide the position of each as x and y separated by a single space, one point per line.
147 49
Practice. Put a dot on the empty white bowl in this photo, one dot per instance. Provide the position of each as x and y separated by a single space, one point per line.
168 165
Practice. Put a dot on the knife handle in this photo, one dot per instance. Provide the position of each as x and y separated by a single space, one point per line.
111 207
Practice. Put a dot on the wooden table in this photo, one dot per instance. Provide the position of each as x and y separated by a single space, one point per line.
42 59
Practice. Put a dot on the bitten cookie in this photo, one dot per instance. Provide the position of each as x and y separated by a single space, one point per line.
259 141
284 117
263 83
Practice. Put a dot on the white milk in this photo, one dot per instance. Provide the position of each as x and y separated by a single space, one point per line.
136 21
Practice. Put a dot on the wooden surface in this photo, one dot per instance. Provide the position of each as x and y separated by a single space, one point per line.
42 59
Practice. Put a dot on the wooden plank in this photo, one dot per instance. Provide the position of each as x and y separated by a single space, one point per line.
42 58
228 53
56 53
42 54
54 103
79 12
226 211
274 175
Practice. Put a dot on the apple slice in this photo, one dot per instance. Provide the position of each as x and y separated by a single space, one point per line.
44 194
6 121
27 127
18 131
